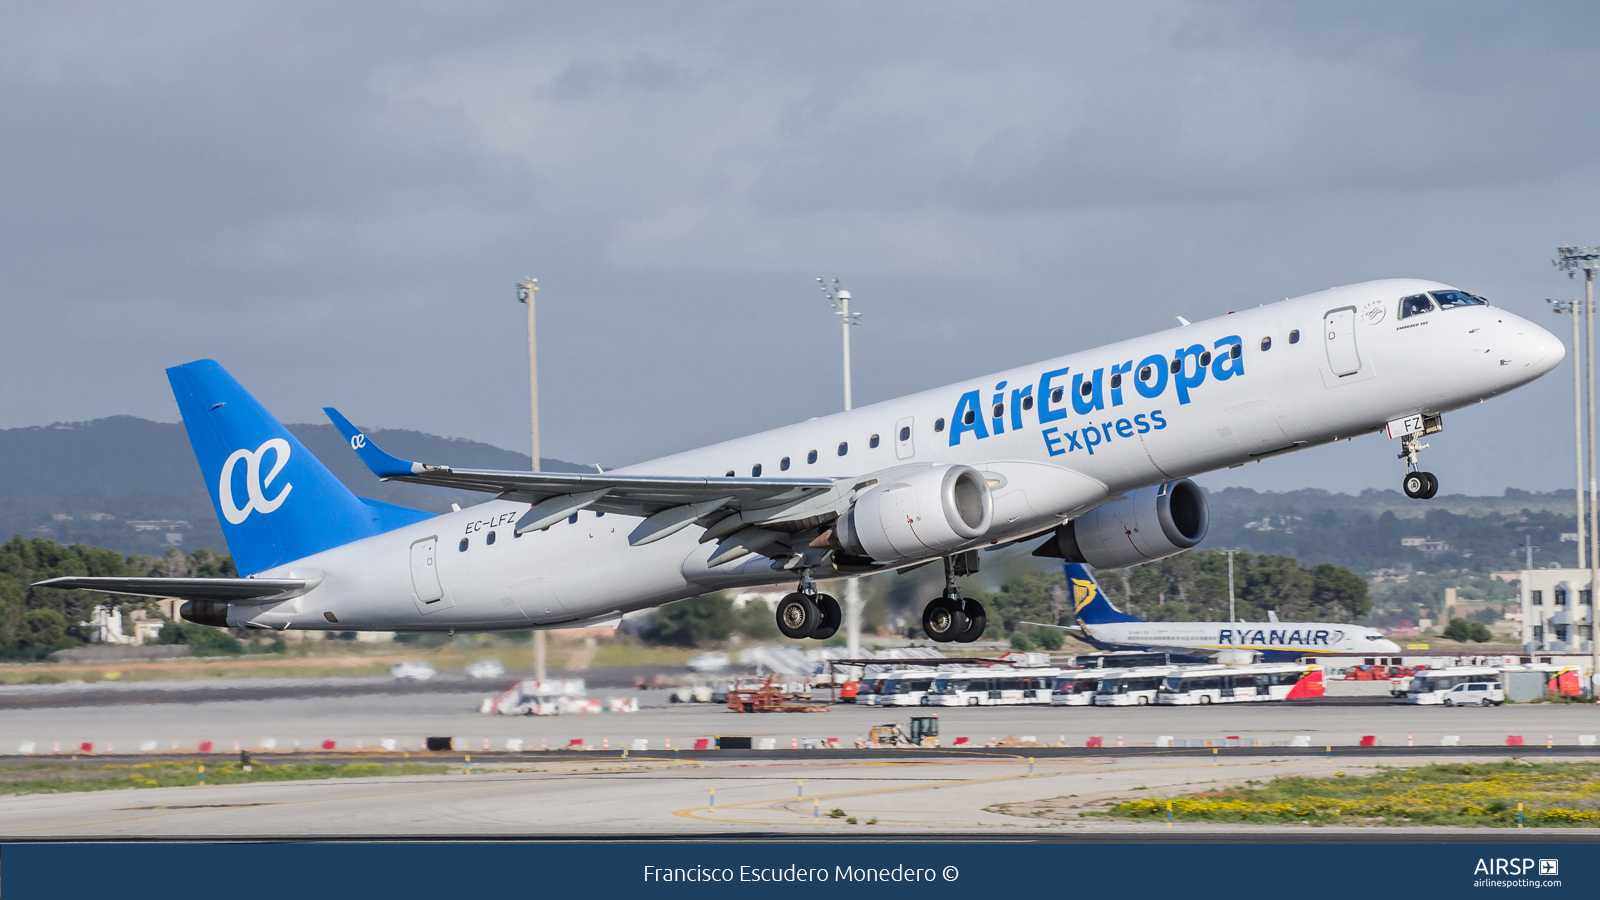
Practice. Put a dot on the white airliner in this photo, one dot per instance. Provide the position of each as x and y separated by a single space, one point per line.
1105 627
1089 452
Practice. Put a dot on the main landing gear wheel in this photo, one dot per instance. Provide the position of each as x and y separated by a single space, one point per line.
943 620
977 620
798 616
1420 485
832 616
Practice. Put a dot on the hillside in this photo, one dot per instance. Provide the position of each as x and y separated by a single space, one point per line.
95 482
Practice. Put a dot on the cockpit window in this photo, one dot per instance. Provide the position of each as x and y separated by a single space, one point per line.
1415 305
1453 299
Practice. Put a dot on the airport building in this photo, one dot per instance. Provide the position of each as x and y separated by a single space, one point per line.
1557 611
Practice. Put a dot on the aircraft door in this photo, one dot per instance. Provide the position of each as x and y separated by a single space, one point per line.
1339 334
425 576
904 437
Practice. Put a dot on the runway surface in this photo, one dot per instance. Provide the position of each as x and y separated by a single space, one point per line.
910 797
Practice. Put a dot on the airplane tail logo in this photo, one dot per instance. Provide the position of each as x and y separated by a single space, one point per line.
1089 603
255 485
277 503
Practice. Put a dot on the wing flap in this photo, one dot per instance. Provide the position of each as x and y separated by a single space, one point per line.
248 591
628 494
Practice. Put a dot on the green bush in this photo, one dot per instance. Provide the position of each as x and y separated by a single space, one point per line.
1463 630
1022 640
693 622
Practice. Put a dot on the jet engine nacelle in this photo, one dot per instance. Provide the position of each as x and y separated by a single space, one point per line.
918 514
1238 657
1142 526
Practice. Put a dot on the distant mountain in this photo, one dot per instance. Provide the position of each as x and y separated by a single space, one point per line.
119 482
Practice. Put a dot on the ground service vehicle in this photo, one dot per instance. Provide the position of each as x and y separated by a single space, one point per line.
904 689
1132 687
924 732
1476 693
1078 688
1262 682
1429 687
992 687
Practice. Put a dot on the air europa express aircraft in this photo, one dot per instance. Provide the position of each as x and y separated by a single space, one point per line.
1089 453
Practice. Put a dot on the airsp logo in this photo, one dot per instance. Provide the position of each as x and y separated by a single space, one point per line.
255 485
358 441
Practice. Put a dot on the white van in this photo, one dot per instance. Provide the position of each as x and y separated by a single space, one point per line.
1430 686
1131 687
1477 693
992 687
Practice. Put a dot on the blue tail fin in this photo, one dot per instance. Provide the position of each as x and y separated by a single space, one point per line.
1089 603
276 502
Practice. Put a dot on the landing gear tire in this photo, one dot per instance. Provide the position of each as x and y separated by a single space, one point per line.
977 620
943 620
798 616
832 616
1420 485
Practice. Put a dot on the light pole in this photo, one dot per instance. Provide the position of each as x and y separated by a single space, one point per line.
1574 308
1572 260
1231 617
527 293
840 299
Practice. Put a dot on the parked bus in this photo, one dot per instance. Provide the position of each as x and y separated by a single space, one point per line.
904 688
1432 687
1077 688
991 687
1131 687
1240 684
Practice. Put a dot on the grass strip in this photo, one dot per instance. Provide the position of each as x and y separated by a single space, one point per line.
57 778
1469 794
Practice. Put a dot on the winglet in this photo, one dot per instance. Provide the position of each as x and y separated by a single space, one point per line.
382 464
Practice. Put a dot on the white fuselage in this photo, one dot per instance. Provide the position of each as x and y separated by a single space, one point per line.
1270 639
1045 459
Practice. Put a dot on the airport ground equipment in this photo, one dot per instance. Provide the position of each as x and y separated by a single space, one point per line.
922 732
770 696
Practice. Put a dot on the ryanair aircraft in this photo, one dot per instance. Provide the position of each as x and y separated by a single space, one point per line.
1089 454
1105 627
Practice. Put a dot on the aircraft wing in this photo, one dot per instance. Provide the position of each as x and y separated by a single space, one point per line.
561 493
249 591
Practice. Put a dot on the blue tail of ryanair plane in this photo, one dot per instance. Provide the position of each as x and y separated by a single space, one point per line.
1089 603
277 503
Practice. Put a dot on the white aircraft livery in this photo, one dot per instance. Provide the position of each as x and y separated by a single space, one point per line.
1090 452
1105 627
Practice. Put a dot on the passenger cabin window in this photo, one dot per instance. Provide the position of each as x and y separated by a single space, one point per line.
873 442
1294 336
489 539
844 447
1266 343
968 417
1146 372
573 519
905 433
1453 299
1055 395
1176 366
1027 402
727 474
811 457
938 424
1205 359
1415 305
1086 389
999 411
1236 351
755 471
783 464
1116 382
463 547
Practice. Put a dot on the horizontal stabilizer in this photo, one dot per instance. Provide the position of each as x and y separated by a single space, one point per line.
249 591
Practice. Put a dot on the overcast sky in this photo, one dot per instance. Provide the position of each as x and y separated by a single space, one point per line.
335 202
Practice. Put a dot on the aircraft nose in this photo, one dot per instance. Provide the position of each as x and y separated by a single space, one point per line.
1542 350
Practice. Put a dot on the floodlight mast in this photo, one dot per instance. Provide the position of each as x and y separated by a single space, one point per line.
1573 260
1574 308
527 292
840 298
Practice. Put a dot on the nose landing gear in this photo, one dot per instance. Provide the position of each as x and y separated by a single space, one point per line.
952 617
807 613
1417 485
